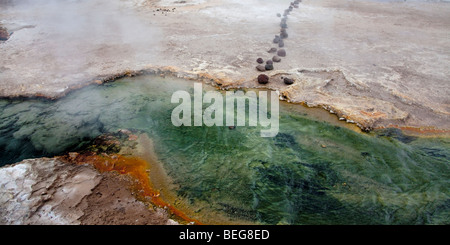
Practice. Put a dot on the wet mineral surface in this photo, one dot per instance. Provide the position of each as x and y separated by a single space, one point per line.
316 170
379 64
376 63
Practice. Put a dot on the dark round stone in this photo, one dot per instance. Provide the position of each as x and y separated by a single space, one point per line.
263 79
269 67
276 39
269 62
281 53
272 50
283 25
276 58
260 60
4 34
281 43
288 81
278 15
260 68
283 33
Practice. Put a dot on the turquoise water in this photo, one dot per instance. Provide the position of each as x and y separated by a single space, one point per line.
312 172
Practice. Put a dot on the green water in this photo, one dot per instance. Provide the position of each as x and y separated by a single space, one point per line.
312 172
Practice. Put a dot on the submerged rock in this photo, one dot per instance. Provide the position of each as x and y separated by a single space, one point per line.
276 58
281 43
269 62
263 79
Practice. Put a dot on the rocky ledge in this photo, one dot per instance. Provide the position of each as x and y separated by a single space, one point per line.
51 191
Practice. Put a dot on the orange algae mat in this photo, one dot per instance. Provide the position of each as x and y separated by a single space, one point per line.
136 169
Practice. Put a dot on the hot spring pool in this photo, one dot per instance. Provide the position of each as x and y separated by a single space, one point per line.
315 171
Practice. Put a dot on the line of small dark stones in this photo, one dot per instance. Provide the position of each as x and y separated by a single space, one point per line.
279 40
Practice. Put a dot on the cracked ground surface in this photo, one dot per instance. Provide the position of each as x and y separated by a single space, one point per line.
49 191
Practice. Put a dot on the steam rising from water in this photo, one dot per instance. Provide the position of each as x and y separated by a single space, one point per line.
310 173
76 40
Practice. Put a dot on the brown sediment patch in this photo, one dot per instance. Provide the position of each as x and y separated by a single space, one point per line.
419 131
112 203
58 192
136 169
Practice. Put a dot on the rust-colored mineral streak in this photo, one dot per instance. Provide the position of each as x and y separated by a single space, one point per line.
136 169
